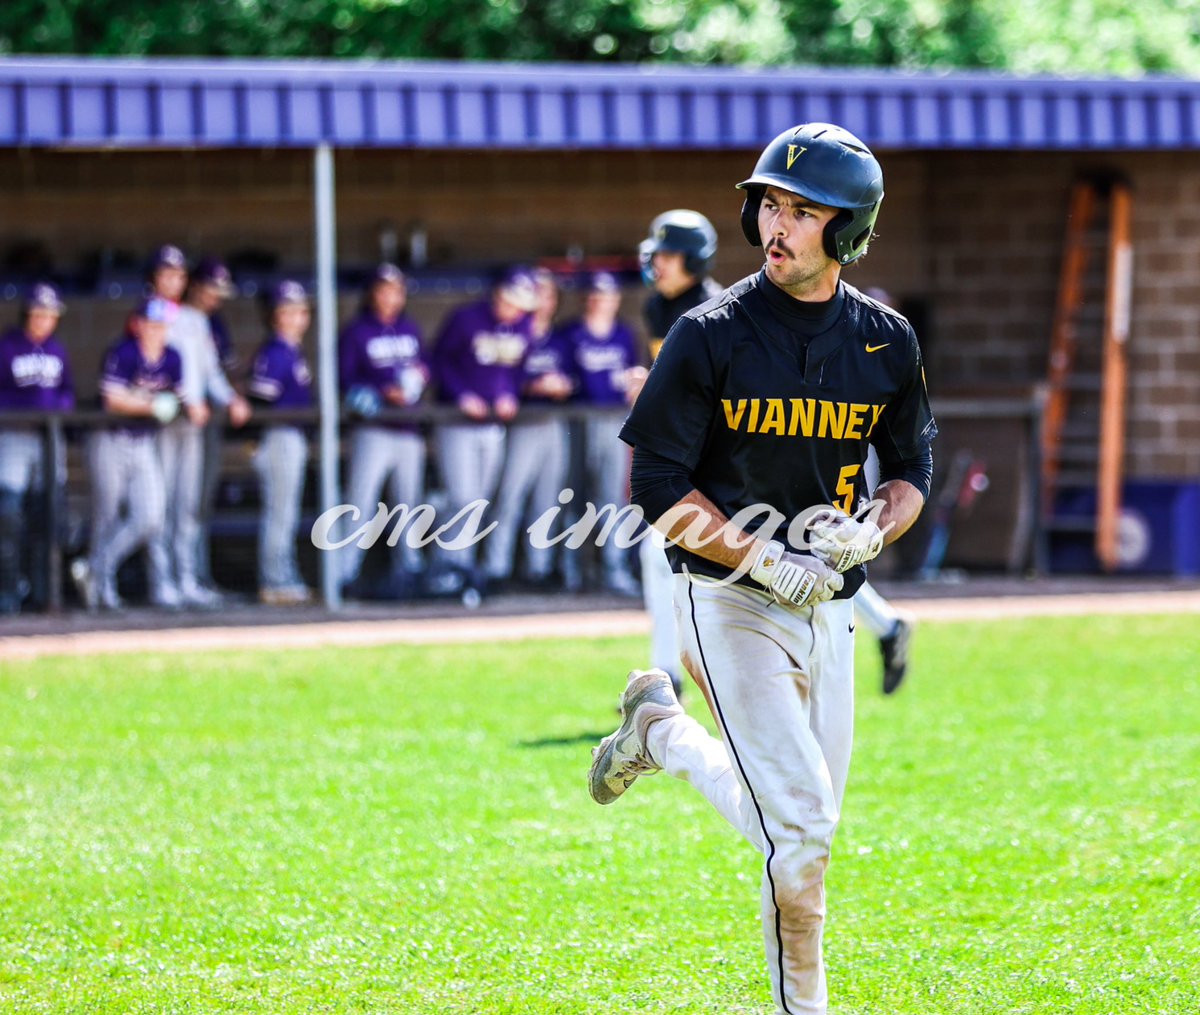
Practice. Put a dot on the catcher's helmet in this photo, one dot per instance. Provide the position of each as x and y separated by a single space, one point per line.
685 232
828 165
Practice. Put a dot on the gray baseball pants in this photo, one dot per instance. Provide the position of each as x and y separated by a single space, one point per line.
470 457
376 454
535 469
181 448
280 463
128 506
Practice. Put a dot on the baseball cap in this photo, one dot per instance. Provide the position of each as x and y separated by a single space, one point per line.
287 292
44 296
155 308
517 286
210 271
603 282
387 273
168 256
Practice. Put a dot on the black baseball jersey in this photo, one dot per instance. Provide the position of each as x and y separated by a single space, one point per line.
661 313
769 401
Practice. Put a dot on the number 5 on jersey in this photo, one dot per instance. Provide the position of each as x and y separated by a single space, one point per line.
845 489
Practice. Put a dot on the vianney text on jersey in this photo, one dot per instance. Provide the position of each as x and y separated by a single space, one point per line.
771 402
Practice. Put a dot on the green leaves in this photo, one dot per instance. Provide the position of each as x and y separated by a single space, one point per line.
1026 36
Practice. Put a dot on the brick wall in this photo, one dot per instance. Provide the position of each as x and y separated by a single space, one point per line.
970 241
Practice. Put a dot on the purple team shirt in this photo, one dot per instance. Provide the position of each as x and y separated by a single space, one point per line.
599 363
127 369
376 354
281 376
34 376
380 356
476 354
546 355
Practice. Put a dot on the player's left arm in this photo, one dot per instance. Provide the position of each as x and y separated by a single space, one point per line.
902 505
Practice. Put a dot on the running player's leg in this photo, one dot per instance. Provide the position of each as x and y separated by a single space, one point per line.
658 595
752 660
874 611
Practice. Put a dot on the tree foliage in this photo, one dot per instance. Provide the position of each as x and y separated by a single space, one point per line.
1060 36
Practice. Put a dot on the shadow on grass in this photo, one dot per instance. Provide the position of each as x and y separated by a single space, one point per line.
578 738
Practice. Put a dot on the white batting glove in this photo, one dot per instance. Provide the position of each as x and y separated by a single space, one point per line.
794 579
844 542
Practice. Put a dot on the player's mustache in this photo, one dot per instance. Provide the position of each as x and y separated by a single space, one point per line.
777 245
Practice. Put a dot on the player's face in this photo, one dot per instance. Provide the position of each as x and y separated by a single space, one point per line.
151 334
388 299
208 298
792 230
40 324
603 304
670 275
547 297
506 311
170 282
291 321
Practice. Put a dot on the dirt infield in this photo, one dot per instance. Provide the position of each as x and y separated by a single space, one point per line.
145 631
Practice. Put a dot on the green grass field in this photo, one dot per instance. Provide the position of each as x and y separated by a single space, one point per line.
408 830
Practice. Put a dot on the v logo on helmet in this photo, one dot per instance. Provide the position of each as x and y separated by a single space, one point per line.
794 152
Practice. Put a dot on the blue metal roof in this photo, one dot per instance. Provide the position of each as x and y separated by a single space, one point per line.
93 102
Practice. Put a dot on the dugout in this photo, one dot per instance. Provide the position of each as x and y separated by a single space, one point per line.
319 168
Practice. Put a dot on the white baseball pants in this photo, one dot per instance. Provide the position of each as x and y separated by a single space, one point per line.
780 684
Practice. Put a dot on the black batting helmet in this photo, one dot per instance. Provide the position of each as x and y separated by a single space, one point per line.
828 165
682 231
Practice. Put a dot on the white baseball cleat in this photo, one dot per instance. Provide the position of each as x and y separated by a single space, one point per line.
622 756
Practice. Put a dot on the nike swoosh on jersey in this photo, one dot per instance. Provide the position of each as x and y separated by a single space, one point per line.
876 348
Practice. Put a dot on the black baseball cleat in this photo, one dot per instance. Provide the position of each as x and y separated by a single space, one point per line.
894 649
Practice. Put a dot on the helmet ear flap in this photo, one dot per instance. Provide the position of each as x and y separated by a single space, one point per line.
750 208
829 238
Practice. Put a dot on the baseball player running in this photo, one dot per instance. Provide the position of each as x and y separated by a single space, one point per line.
766 401
141 382
380 362
34 376
280 378
676 258
477 362
536 452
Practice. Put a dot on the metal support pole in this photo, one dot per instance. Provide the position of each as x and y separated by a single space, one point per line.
326 232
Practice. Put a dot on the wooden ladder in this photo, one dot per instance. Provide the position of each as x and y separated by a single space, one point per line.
1081 433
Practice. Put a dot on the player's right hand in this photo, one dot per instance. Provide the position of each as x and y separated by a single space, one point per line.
794 579
472 406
